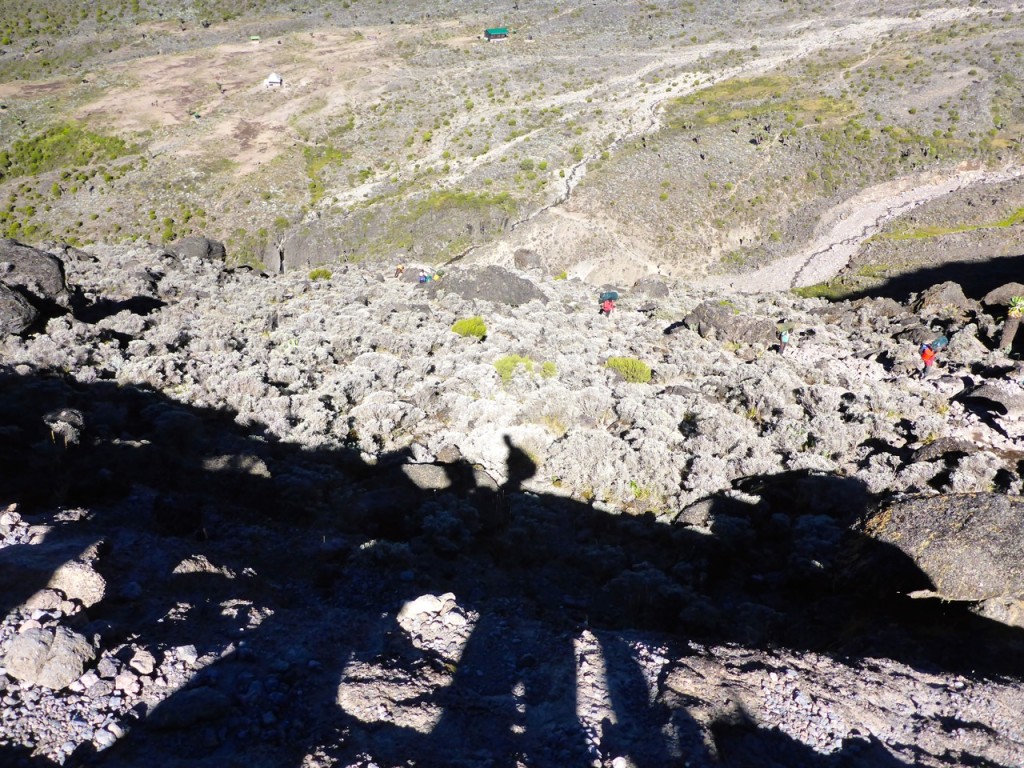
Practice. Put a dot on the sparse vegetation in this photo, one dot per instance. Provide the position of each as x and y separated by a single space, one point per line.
631 369
506 366
471 326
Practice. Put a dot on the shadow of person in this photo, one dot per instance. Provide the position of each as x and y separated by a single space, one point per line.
304 568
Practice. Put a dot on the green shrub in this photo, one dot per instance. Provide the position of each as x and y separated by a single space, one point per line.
549 370
563 275
632 370
320 273
471 326
506 366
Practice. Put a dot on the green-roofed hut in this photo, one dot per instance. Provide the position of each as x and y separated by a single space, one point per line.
496 33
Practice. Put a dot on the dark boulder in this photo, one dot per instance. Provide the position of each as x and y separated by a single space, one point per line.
944 448
199 247
16 314
880 307
1002 398
305 246
38 274
967 545
721 322
651 286
524 258
945 300
491 283
1001 296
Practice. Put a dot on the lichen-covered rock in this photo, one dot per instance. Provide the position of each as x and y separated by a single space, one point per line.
969 546
651 286
1001 296
492 283
198 247
1002 397
38 273
724 322
945 300
16 314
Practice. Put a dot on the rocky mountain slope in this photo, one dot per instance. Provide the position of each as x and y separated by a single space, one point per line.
346 518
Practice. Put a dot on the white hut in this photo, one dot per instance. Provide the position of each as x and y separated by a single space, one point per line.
274 80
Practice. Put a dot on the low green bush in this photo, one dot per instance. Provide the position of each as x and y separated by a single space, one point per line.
320 273
632 370
506 366
471 326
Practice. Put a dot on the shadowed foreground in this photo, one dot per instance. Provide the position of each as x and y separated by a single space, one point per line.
542 654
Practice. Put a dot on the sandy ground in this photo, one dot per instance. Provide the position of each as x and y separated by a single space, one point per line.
221 90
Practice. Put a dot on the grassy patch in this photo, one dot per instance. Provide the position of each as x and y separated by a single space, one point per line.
929 232
317 160
448 200
832 290
631 369
471 326
744 98
506 366
68 145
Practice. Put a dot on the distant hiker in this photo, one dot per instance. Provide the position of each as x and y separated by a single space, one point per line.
783 340
607 302
928 358
400 270
424 277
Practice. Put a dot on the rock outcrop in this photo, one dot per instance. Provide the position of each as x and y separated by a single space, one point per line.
723 321
38 274
968 546
16 314
493 283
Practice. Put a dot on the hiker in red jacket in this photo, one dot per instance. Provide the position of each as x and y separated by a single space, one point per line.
606 307
928 358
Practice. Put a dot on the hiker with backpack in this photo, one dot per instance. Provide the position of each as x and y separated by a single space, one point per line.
928 358
929 351
607 302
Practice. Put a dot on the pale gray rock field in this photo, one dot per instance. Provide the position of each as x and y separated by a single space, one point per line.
283 521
